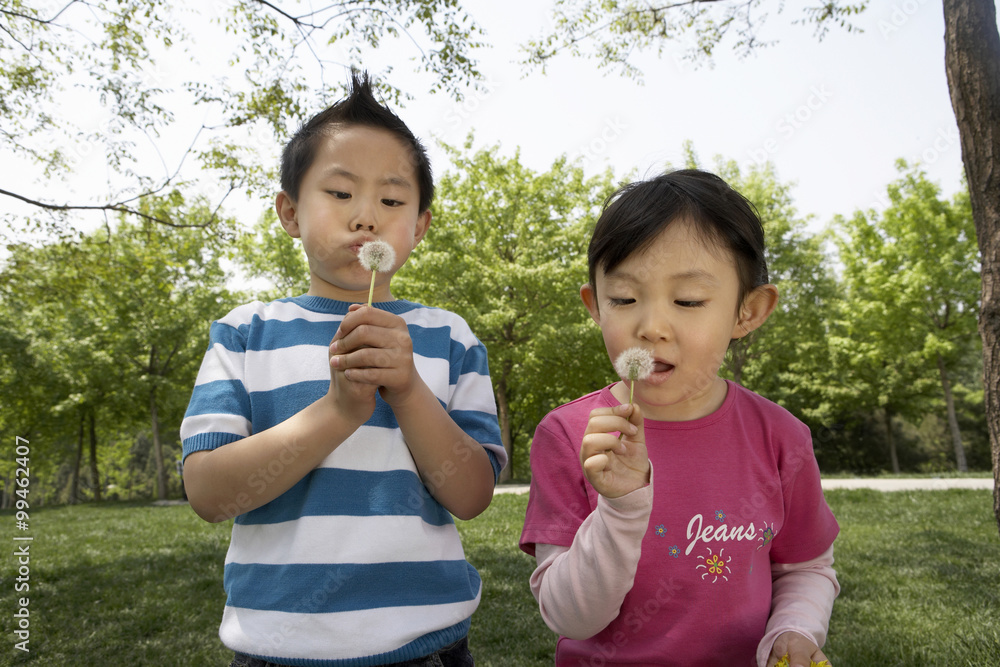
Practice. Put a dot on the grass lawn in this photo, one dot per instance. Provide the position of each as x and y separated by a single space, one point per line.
122 584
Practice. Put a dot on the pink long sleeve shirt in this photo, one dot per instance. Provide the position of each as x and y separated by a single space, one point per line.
729 546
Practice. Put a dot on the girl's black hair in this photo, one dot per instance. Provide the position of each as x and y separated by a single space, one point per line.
638 212
359 108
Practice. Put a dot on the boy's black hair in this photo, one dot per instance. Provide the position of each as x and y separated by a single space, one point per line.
638 212
359 108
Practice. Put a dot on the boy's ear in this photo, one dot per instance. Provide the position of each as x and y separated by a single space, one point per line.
757 307
287 214
423 224
589 296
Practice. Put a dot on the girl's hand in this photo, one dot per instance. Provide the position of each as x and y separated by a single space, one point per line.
615 467
801 651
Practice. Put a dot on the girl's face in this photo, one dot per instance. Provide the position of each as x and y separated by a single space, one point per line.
677 299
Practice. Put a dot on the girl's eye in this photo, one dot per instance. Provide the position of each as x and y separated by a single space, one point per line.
620 302
690 304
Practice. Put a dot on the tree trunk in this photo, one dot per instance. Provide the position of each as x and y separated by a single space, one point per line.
972 63
891 440
74 484
503 412
161 471
93 458
949 401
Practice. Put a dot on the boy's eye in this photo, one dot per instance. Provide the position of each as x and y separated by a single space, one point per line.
339 195
392 202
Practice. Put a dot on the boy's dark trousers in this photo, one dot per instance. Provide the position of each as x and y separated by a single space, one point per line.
453 655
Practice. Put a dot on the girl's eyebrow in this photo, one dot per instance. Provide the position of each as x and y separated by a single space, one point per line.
691 275
696 275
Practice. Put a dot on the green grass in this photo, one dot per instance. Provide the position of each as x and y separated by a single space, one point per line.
123 584
920 578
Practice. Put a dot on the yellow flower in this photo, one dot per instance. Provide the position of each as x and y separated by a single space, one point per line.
784 663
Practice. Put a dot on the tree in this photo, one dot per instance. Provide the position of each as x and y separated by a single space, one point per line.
619 28
787 359
175 286
972 62
507 252
615 29
111 328
58 59
267 253
66 343
911 298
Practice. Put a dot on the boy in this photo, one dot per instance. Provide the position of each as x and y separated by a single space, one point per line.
340 436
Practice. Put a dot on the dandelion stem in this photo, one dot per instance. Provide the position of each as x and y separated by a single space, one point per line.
371 290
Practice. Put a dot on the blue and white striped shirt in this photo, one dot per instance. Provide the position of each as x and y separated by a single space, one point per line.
356 564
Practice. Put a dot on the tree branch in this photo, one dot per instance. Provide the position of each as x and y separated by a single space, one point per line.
118 207
35 19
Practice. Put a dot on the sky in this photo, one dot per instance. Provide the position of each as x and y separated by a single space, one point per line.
833 116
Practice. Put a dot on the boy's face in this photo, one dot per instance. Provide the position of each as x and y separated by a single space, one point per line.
678 299
360 187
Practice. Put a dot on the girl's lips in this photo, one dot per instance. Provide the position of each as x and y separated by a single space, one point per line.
661 373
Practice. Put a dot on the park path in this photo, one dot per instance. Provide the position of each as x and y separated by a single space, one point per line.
876 483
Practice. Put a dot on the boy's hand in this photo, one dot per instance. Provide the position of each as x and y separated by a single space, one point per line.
801 650
372 348
615 467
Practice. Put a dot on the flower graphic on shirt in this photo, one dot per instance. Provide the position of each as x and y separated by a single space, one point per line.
674 551
766 535
720 516
660 530
715 565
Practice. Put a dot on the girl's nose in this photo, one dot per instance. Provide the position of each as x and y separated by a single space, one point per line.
654 327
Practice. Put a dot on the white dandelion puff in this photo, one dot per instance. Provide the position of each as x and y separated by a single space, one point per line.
634 364
377 257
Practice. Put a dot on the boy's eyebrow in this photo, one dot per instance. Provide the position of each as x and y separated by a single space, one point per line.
351 176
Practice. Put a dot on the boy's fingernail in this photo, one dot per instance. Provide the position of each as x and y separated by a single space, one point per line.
335 361
334 345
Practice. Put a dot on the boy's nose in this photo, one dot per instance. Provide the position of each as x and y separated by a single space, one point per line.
364 218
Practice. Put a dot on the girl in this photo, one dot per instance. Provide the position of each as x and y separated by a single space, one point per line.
687 527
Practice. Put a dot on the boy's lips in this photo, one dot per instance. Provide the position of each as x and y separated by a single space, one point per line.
355 247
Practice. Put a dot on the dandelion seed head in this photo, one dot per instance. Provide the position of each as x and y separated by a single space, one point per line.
635 363
377 256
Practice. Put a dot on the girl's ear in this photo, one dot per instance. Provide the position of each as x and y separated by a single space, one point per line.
757 307
589 296
285 207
